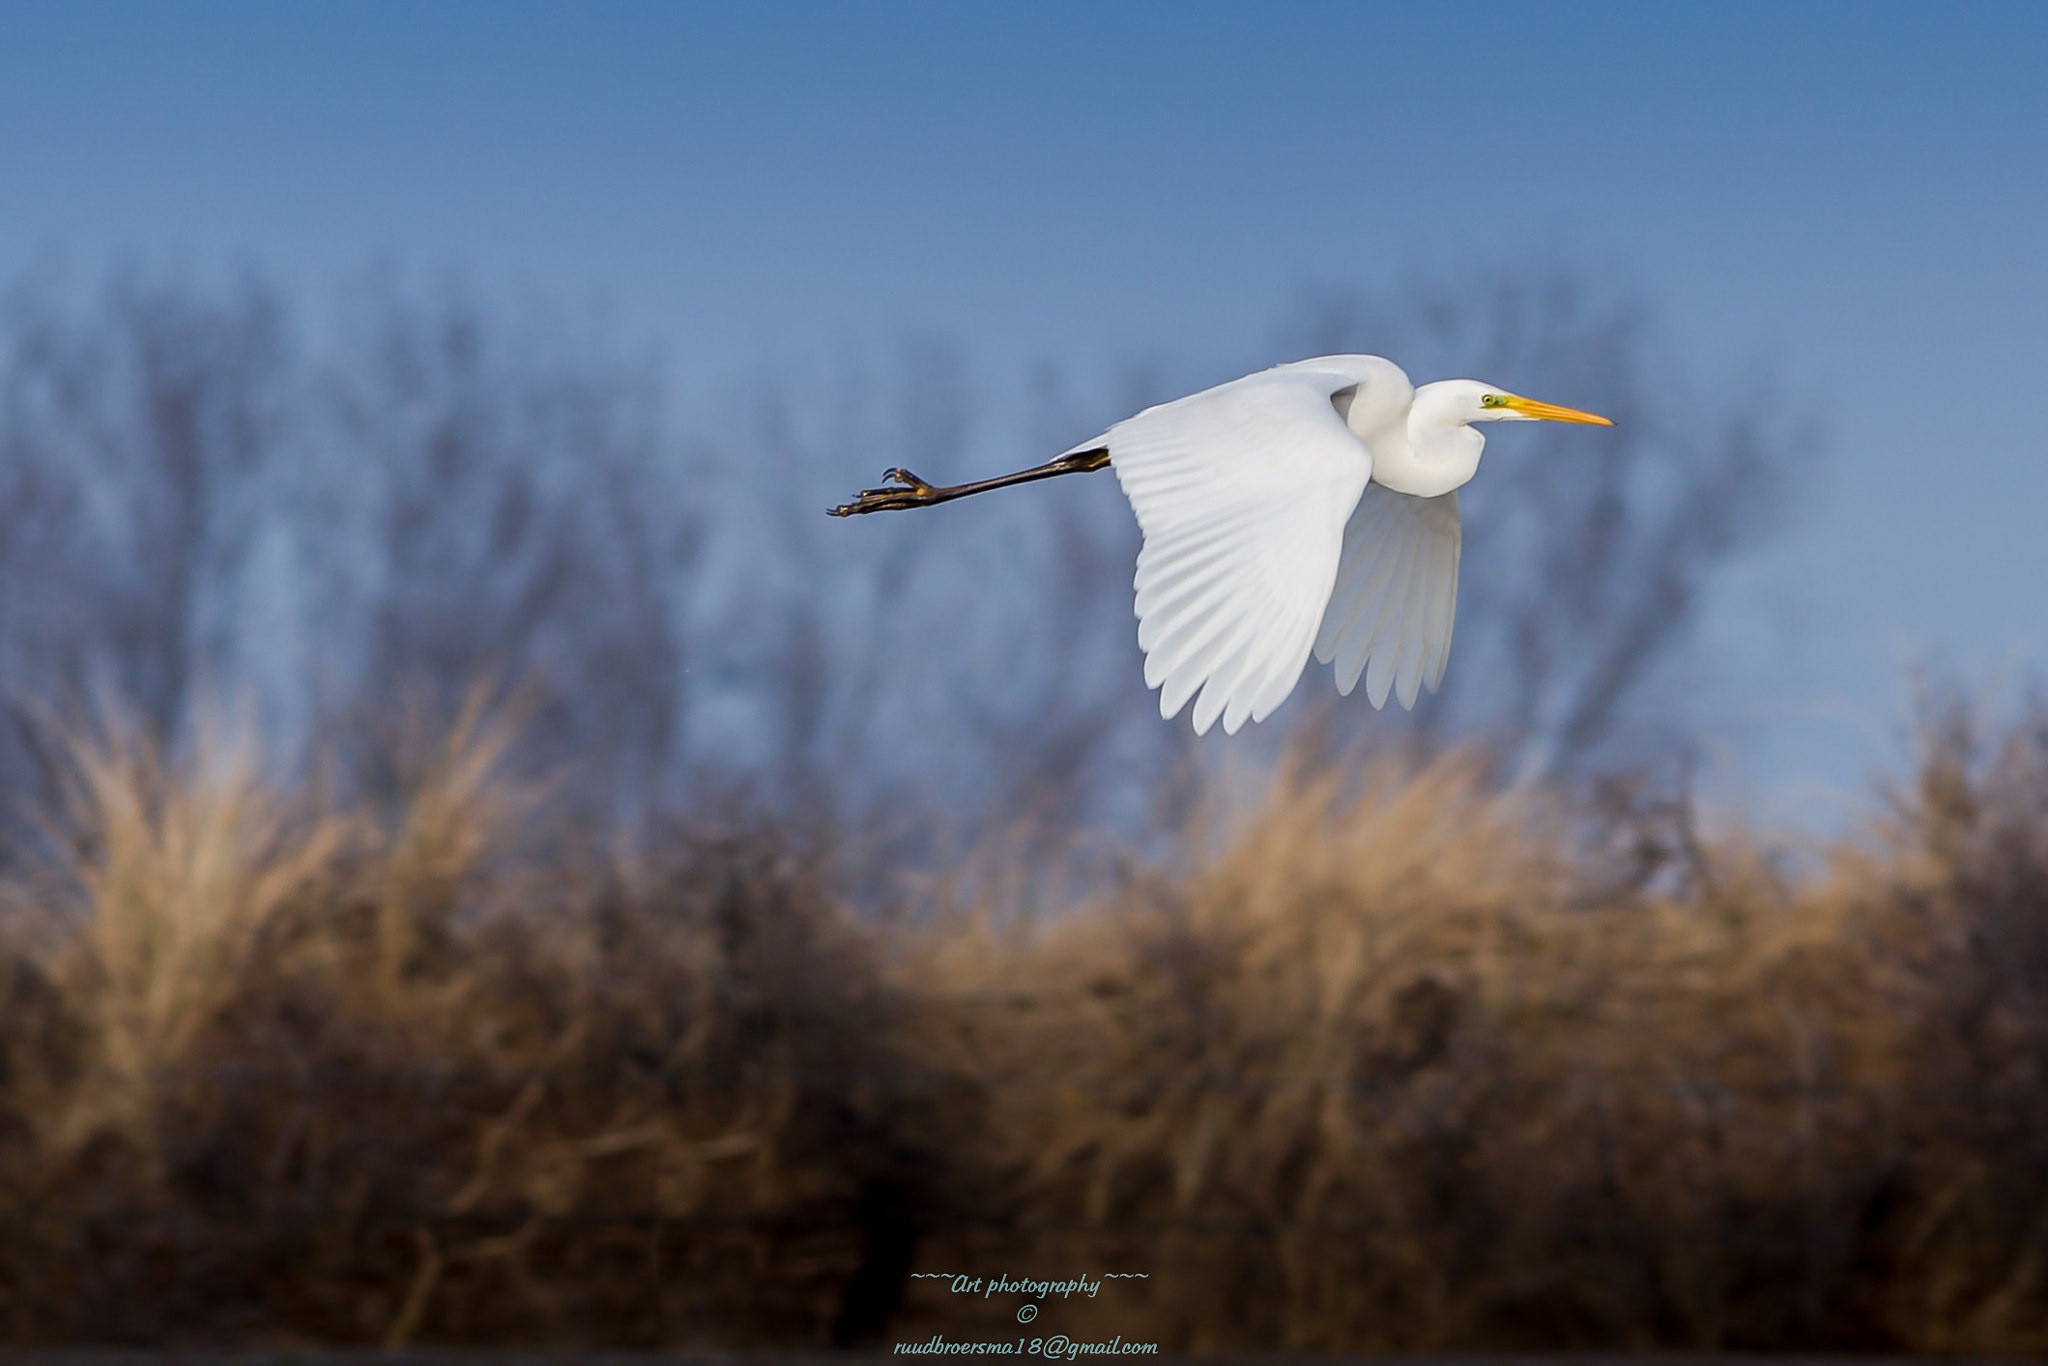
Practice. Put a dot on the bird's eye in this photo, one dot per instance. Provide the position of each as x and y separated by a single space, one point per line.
1492 401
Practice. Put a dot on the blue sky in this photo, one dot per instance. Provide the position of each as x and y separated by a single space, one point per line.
1850 198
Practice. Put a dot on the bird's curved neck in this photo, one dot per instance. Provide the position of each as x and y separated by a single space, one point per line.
1435 451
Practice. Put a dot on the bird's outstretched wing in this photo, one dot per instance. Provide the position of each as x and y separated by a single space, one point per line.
1396 595
1242 492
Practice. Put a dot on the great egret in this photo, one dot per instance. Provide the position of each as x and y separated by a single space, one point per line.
1312 506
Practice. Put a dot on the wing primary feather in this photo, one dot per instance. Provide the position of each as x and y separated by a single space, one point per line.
1216 691
1352 570
1379 675
1265 660
1381 562
1451 611
1243 493
1187 674
1161 599
1443 586
1371 641
1194 630
1391 614
1374 542
1162 618
1286 673
1414 645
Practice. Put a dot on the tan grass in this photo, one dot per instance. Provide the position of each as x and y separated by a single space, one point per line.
1389 1071
1393 1060
380 1075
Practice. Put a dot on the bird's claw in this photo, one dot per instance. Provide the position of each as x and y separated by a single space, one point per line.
909 482
904 490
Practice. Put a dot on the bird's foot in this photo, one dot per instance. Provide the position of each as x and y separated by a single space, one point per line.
904 490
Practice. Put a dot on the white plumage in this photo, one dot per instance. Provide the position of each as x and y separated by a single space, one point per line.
1395 596
1312 507
1241 492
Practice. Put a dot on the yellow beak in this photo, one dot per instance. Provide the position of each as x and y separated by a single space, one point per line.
1554 412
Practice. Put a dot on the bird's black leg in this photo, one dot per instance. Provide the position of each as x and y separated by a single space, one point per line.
906 490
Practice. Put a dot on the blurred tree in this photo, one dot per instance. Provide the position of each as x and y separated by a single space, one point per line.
509 491
135 449
439 494
195 504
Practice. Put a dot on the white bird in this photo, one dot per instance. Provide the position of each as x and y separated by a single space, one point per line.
1309 507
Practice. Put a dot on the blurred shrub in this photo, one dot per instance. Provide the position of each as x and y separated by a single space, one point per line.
1396 1060
1405 1066
287 1071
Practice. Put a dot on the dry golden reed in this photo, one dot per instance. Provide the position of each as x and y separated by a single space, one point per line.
1394 1060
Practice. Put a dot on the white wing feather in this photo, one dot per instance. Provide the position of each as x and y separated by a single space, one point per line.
1242 492
1396 595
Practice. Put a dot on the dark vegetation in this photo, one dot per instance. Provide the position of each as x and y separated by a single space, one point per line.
571 934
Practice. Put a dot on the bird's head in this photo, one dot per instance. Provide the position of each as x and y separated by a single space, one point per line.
1463 401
